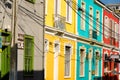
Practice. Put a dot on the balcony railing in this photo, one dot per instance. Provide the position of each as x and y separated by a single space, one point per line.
59 22
93 34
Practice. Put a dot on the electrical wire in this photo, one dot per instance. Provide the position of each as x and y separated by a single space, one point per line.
33 18
79 8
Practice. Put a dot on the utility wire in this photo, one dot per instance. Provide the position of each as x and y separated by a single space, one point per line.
9 14
94 19
77 8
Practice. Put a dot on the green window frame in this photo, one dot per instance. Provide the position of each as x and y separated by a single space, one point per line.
28 55
5 55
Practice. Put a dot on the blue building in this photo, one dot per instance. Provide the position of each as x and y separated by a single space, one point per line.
89 50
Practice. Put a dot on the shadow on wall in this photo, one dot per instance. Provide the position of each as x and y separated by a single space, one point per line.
5 77
38 75
107 78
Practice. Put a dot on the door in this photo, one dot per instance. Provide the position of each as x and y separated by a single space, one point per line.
5 60
90 64
90 77
56 52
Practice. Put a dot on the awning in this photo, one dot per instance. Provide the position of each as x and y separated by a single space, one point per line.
114 56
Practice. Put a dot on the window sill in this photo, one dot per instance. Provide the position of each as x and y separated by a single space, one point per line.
82 29
69 22
97 75
81 76
67 76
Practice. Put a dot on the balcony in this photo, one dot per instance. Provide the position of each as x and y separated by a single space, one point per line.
93 34
107 59
59 22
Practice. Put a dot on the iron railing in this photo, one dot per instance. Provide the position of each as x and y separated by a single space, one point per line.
59 22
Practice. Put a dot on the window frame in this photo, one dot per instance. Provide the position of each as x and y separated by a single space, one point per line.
68 12
113 28
91 17
98 21
83 13
97 71
110 26
57 7
69 45
116 31
106 27
32 55
82 47
107 67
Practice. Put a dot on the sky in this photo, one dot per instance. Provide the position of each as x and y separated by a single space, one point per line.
110 1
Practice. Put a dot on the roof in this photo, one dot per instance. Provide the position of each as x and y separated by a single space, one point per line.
110 1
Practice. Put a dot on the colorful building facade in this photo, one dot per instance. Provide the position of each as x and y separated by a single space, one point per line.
60 44
111 40
89 50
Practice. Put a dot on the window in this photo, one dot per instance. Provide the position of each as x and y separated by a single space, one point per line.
67 61
105 62
113 33
91 17
113 29
105 57
97 22
106 27
57 7
69 11
83 16
82 63
97 64
116 31
28 55
110 25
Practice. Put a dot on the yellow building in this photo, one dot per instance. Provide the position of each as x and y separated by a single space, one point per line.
60 41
